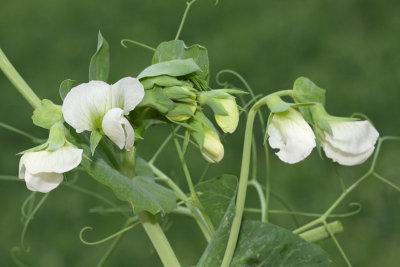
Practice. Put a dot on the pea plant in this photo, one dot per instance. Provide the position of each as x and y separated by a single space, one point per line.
97 125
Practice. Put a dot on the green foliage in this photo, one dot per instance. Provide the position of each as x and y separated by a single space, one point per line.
142 192
47 114
157 99
162 80
99 67
95 138
176 49
215 195
176 68
65 87
265 244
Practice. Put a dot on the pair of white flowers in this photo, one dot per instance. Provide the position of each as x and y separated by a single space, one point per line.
94 106
351 142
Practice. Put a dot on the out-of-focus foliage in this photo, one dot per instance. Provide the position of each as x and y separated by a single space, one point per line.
349 47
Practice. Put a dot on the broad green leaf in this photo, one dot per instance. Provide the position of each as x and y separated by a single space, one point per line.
100 62
265 244
95 138
176 49
176 68
214 252
305 91
142 168
215 195
156 99
47 114
65 87
142 192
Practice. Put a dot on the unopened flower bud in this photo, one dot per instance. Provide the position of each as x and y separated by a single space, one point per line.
212 150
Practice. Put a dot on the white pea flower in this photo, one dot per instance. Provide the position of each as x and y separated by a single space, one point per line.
292 135
43 170
351 142
98 106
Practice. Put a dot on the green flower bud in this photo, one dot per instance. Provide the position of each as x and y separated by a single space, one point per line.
182 111
47 114
228 123
212 150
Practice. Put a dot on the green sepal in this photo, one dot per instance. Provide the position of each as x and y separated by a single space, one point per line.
176 68
99 66
305 91
180 92
181 109
35 149
231 91
65 87
270 116
163 81
157 99
95 138
176 49
47 114
276 104
211 99
56 137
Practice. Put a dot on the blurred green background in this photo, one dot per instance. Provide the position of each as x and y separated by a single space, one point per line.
349 47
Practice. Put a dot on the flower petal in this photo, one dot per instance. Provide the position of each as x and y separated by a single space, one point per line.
345 158
62 160
118 129
291 134
212 149
352 137
85 105
228 123
43 182
127 94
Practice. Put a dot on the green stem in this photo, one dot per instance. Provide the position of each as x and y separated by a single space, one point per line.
22 133
123 41
158 239
188 5
244 176
321 232
19 83
260 193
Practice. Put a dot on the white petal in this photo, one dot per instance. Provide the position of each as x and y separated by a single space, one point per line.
43 182
290 133
62 160
352 137
85 105
127 94
22 169
345 158
118 129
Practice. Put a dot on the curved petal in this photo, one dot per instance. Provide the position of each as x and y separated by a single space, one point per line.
118 129
127 94
22 168
346 158
228 123
212 150
291 134
85 105
352 137
62 160
43 182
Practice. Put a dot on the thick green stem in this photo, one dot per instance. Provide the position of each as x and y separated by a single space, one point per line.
244 176
19 83
158 239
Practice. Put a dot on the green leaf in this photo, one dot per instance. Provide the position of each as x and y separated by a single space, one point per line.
276 104
215 195
305 91
176 49
265 244
95 138
176 68
214 252
65 87
47 114
100 62
156 99
142 168
142 192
